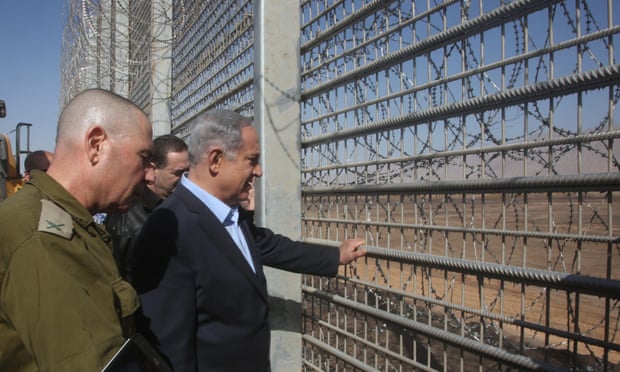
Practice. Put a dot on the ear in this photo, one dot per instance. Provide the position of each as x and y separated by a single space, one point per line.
215 157
95 139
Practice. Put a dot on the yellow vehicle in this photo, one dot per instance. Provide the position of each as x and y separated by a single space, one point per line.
10 179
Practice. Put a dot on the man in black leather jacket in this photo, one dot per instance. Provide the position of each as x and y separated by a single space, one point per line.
170 160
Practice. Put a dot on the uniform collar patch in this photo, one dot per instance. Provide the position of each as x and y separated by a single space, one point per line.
55 220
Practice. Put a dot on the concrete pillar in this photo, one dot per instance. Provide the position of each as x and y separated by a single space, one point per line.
105 45
161 66
277 118
119 47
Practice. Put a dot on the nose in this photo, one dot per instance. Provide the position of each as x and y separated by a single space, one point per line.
149 174
258 171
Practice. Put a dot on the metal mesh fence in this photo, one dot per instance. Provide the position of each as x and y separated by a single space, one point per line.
107 44
213 59
472 144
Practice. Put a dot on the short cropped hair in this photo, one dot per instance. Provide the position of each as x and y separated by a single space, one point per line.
36 160
163 145
216 128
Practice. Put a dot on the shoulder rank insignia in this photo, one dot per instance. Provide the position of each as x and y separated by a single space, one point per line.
55 220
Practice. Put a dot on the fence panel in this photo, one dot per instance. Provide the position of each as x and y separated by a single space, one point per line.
474 145
212 59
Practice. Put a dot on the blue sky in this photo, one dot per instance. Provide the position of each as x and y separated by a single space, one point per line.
30 49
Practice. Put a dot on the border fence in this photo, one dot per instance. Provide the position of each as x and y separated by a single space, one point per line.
472 143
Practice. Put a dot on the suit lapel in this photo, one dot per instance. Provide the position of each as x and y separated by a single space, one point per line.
258 263
215 232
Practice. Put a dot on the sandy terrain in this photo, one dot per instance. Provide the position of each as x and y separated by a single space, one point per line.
560 216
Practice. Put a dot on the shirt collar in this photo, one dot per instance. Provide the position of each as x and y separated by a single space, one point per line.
224 213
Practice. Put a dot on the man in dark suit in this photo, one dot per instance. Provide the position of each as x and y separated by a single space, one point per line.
198 266
170 159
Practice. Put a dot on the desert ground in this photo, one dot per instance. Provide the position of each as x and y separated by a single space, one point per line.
575 233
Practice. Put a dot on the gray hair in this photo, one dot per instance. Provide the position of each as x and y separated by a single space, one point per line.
221 128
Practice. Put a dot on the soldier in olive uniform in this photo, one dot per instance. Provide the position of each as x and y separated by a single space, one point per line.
63 305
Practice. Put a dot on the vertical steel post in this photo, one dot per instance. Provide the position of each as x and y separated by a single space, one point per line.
277 117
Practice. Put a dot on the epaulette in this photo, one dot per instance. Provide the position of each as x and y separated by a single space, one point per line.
55 220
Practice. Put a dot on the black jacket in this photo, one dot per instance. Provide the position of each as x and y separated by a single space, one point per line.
205 307
124 229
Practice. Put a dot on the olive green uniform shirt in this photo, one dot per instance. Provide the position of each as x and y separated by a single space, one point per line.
63 305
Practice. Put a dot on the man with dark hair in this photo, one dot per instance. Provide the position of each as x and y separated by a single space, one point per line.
170 160
39 159
198 263
63 304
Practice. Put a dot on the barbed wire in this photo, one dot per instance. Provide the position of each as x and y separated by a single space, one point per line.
213 66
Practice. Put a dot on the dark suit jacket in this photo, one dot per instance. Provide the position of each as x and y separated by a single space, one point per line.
202 304
125 228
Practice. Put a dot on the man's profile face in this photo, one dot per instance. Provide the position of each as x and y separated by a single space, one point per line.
167 177
131 157
237 174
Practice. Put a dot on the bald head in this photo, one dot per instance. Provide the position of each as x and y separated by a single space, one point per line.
96 107
103 147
